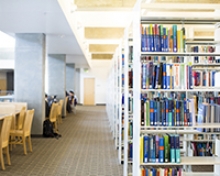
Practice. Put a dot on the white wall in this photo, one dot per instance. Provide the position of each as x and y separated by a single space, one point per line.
100 72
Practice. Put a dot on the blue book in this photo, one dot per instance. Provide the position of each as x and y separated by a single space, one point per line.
161 150
151 75
167 112
190 77
165 39
177 113
157 76
146 147
155 114
174 38
168 76
161 38
156 38
152 119
163 113
177 148
164 76
157 148
172 149
151 37
154 172
144 70
170 113
152 150
143 40
154 75
213 78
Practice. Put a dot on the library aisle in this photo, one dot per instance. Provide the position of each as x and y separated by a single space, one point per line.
86 148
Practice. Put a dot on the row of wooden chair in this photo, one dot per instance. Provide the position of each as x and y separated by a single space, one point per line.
56 114
19 135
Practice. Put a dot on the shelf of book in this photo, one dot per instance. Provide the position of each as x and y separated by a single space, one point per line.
127 68
141 51
189 161
178 54
199 174
205 89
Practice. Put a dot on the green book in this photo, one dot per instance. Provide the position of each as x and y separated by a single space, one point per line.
147 106
166 148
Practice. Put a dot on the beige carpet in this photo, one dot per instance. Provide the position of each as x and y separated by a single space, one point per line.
86 148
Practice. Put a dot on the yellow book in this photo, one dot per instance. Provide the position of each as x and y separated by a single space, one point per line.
141 149
179 40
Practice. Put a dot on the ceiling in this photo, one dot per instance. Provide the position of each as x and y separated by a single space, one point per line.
42 16
89 31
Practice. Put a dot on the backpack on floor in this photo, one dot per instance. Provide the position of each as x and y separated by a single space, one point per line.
48 129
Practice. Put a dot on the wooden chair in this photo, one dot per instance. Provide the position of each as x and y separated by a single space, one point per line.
8 109
25 132
4 140
53 115
65 106
59 111
21 119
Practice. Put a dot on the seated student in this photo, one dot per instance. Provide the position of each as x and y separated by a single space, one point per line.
68 107
72 101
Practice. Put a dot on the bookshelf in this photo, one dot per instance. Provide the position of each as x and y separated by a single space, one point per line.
180 132
128 107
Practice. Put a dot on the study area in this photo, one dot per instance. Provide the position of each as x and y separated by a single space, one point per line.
110 87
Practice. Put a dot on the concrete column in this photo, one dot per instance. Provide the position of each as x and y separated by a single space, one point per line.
70 77
29 75
56 75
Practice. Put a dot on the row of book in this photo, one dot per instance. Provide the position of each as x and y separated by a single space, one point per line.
175 76
160 149
167 112
204 59
172 171
166 76
202 148
157 38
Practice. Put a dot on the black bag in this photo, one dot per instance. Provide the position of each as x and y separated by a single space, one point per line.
48 129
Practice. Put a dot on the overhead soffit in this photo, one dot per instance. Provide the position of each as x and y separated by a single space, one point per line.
102 56
103 33
190 1
203 33
104 3
102 48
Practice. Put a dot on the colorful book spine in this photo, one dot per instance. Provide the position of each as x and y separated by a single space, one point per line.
146 147
172 149
164 76
177 148
151 37
156 39
161 38
161 150
174 38
178 113
152 113
143 39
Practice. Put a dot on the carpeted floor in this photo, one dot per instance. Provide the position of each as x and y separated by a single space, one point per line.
86 148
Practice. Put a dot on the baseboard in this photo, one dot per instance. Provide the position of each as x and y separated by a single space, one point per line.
100 104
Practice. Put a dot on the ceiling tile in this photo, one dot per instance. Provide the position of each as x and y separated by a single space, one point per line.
102 56
102 48
103 33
